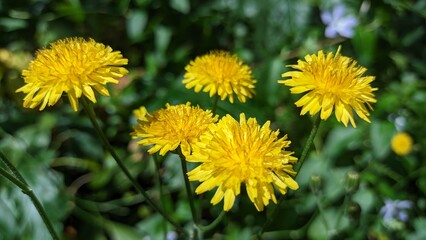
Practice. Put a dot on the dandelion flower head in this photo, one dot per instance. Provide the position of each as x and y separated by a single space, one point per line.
167 129
234 153
221 73
73 66
402 143
331 82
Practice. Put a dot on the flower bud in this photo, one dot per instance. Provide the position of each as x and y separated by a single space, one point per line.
315 183
353 210
352 182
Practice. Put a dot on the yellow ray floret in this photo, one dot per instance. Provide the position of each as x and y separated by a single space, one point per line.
73 66
234 153
220 73
331 82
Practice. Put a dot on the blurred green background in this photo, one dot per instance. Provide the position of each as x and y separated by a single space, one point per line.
87 197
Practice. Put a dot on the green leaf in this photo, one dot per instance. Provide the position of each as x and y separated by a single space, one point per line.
119 231
72 10
173 177
421 183
340 139
365 197
276 67
365 44
389 102
235 232
420 231
381 134
413 36
180 6
324 225
152 226
334 182
11 24
400 59
162 38
8 226
136 23
20 217
315 164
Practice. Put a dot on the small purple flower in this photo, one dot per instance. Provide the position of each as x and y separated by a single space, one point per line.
338 22
395 209
171 235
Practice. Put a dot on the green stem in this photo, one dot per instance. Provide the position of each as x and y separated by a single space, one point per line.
90 112
160 190
188 188
215 101
305 152
12 168
214 223
322 213
308 144
343 209
19 181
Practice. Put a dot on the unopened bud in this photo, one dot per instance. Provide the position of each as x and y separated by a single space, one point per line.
352 182
315 183
353 210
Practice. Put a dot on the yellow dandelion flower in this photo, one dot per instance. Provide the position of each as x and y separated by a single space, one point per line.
220 73
332 82
233 153
74 66
402 143
166 129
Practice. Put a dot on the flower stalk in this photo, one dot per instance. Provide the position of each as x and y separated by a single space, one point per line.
17 179
213 224
305 152
91 114
188 188
308 144
160 190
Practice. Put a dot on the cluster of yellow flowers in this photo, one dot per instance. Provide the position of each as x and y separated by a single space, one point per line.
231 152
